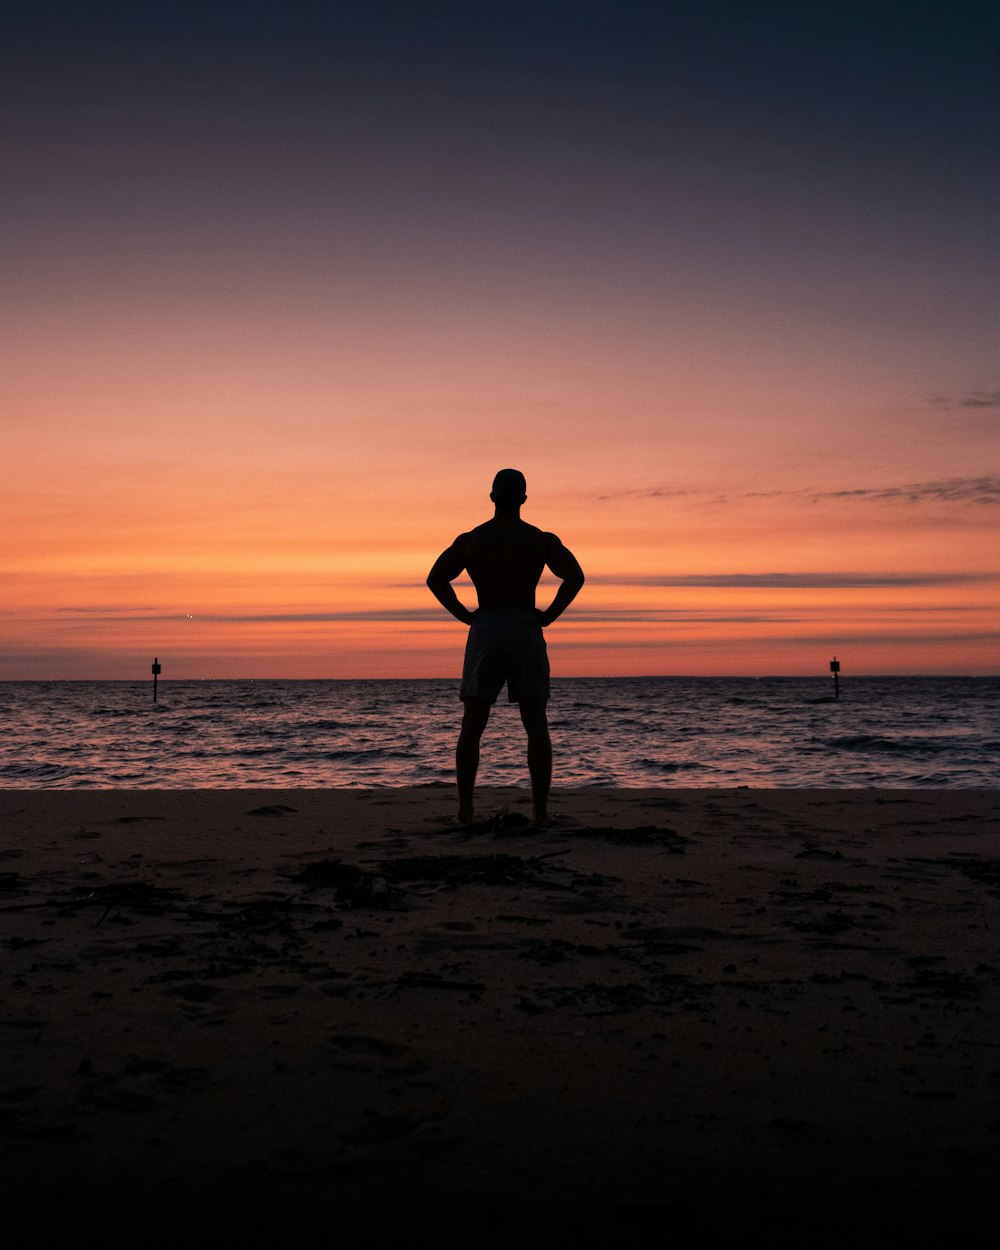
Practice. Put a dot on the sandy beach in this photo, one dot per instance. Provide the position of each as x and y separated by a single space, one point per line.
674 1016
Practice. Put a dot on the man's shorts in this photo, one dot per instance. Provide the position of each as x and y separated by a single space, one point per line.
505 645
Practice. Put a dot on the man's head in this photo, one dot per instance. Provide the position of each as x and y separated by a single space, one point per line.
509 489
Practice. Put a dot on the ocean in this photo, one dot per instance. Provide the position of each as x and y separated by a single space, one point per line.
655 731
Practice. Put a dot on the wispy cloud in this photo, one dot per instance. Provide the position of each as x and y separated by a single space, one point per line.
652 492
969 490
438 616
981 399
101 609
971 399
843 639
796 581
951 490
287 618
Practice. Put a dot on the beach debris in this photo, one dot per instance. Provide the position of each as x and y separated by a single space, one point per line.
266 913
194 992
668 940
596 999
640 835
941 983
983 871
271 809
454 870
831 923
550 951
434 981
355 887
359 887
138 896
503 821
362 1044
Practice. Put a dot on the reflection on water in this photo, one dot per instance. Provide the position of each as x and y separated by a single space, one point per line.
606 732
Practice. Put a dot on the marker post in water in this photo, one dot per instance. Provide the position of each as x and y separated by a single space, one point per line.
156 673
835 670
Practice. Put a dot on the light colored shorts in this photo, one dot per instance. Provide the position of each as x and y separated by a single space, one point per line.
505 645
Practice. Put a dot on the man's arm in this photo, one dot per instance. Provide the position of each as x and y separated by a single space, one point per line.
447 567
565 565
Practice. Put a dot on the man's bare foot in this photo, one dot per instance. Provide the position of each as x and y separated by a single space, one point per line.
541 820
466 815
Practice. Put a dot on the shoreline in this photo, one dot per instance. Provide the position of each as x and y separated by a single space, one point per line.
674 1013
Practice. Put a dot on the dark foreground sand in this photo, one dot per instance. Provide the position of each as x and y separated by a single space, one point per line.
334 1018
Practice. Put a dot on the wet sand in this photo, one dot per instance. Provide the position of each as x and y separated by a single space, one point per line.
336 1017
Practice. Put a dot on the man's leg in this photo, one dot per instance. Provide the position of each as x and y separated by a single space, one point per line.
477 713
536 723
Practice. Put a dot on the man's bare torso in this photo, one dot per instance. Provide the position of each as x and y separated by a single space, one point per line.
505 558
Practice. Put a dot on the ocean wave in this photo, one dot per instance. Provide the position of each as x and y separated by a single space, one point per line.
38 772
625 732
876 742
371 753
668 766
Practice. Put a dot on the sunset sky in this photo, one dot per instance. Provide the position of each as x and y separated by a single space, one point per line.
285 284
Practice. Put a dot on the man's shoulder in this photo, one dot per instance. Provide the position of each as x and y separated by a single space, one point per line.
476 532
494 531
496 525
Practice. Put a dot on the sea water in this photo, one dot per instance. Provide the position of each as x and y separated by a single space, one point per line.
655 731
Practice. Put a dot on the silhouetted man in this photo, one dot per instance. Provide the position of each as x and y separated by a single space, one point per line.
505 558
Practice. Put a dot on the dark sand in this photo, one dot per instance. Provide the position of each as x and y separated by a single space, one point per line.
333 1017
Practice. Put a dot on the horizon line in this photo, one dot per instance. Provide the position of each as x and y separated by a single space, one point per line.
450 677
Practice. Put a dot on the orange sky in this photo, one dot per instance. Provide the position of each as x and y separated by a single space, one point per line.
256 374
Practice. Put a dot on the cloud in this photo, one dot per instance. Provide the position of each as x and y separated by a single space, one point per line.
119 613
839 638
951 490
967 490
653 492
796 581
971 399
438 616
981 399
287 618
972 490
